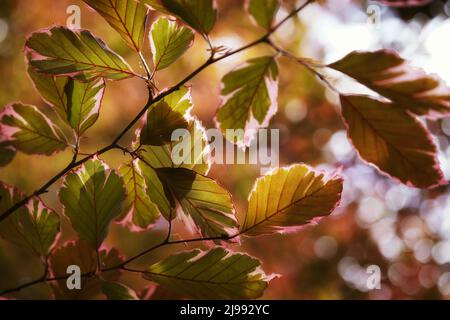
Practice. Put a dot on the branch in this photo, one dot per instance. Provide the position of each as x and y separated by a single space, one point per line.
114 145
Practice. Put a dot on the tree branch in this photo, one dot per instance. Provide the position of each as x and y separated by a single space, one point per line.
114 145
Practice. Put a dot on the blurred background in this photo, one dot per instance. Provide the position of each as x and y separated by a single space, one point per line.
404 231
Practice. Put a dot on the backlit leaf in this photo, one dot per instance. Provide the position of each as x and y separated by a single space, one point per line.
391 139
51 89
263 11
166 116
214 274
61 51
7 153
388 74
199 14
168 42
202 201
289 198
34 226
128 17
190 151
156 191
249 92
138 206
80 253
30 131
92 197
83 103
118 291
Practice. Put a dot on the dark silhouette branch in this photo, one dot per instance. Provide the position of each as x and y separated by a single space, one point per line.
115 145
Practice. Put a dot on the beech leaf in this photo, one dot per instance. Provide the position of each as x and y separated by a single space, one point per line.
199 14
391 139
61 51
386 73
127 17
28 130
80 253
202 200
92 197
289 198
7 153
214 274
168 42
138 205
34 226
164 117
118 291
263 11
249 91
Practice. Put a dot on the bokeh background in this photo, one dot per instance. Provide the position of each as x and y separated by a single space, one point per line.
404 231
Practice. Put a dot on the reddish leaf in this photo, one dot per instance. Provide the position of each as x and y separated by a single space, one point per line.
391 139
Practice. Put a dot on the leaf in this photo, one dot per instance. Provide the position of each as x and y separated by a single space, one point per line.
214 274
156 191
118 291
92 197
263 12
201 200
166 116
168 42
199 14
191 149
76 102
386 73
51 89
81 254
289 198
155 5
391 139
138 205
83 103
61 51
30 131
249 90
127 17
34 226
7 153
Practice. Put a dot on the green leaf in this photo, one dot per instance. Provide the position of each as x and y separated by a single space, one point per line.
34 226
155 5
199 14
391 139
51 89
249 90
118 291
166 116
92 197
7 153
127 17
214 274
80 253
207 206
76 102
83 103
289 198
30 131
61 51
263 11
386 73
168 42
156 191
191 149
138 206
